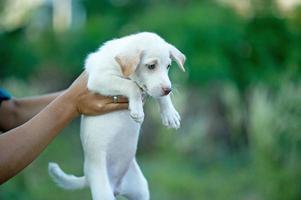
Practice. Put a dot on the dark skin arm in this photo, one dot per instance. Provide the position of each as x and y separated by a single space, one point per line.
15 112
21 145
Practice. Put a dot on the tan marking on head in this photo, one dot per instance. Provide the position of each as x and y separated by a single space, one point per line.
128 62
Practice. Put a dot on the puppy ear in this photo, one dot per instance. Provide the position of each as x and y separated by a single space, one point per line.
178 56
129 62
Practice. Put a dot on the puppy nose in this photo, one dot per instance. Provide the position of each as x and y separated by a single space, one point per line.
166 90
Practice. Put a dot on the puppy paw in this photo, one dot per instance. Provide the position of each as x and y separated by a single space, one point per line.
137 114
171 118
138 117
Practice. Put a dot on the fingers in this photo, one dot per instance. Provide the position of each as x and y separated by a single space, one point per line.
122 99
109 99
115 106
91 103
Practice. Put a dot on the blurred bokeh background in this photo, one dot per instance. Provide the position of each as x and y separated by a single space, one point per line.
240 100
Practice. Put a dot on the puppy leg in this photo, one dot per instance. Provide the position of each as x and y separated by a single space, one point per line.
134 186
115 85
97 175
169 115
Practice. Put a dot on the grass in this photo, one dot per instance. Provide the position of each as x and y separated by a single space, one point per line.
176 177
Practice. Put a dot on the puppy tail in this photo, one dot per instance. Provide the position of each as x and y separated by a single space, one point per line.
66 181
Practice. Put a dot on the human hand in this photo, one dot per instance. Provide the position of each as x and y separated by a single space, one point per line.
89 103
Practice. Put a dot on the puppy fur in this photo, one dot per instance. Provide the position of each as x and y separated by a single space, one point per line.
128 66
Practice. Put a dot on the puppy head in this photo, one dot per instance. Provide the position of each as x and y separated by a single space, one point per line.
149 67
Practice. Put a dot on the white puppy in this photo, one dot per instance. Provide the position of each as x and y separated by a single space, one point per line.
126 66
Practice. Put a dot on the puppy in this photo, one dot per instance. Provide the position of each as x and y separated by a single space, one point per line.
127 66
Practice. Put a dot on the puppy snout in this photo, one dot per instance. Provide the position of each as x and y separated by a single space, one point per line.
166 90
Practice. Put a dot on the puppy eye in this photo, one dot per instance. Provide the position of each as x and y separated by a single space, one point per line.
151 66
168 66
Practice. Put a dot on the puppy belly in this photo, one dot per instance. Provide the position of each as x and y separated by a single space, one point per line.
121 152
116 134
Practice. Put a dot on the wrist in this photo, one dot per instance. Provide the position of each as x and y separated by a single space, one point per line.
69 102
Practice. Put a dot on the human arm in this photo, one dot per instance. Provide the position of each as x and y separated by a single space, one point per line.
15 112
21 145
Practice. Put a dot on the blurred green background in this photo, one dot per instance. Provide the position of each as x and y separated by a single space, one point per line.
240 100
